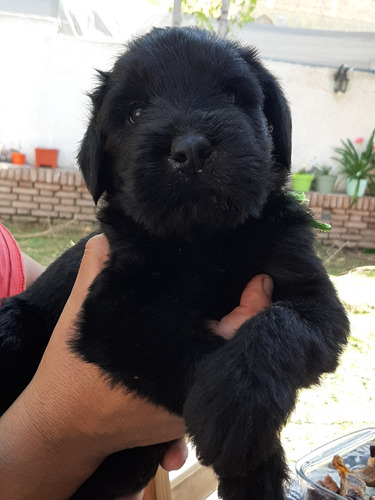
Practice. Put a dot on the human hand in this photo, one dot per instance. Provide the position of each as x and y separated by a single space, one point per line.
60 429
126 420
256 297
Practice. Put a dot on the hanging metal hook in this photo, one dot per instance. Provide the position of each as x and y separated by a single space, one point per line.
341 79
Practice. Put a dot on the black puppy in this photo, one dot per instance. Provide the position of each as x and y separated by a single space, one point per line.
190 143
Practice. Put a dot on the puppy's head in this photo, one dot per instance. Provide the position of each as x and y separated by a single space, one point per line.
187 131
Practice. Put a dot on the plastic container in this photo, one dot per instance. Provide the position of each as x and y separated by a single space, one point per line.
46 157
354 448
18 158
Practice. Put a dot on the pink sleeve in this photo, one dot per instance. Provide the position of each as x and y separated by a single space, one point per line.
12 274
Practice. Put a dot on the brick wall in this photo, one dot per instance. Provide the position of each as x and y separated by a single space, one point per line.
352 224
37 193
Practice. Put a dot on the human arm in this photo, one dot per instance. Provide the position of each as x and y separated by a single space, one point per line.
32 269
59 431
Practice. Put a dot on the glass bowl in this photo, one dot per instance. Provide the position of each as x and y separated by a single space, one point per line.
354 448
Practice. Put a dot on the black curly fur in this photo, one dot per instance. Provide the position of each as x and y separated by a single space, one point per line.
189 143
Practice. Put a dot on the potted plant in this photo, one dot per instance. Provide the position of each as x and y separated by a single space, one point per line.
324 180
357 166
302 179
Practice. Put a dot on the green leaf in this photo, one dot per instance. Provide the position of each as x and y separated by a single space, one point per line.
321 226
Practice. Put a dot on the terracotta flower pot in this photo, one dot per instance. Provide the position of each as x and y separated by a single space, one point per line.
18 158
46 157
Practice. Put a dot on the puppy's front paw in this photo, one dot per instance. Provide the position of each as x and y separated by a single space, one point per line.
234 411
265 482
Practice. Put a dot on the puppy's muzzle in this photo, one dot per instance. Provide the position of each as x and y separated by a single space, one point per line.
190 151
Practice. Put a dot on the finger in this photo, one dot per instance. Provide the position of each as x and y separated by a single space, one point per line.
254 299
95 255
175 456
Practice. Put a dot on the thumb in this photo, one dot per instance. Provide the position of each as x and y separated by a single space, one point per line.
96 253
254 299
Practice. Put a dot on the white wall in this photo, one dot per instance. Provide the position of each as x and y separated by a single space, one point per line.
43 81
320 117
44 77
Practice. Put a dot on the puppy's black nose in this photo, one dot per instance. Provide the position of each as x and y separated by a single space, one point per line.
191 150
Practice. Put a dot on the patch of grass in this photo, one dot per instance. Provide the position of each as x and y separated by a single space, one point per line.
50 241
344 260
47 247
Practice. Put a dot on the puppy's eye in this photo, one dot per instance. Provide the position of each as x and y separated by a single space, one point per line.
134 113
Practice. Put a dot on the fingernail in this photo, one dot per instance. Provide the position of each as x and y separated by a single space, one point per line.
268 285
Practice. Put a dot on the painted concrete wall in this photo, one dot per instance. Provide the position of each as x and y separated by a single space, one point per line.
44 77
320 117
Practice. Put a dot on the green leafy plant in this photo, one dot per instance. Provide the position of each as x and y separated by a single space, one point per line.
302 198
323 170
356 164
206 11
304 170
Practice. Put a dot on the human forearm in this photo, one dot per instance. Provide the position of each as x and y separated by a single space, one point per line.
30 445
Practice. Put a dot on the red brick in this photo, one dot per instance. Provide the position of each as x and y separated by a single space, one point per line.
86 203
8 196
353 237
24 218
8 182
366 203
358 225
355 218
43 186
337 230
87 210
67 188
87 217
69 209
7 210
26 190
346 202
33 175
358 212
25 204
25 197
67 201
46 206
44 213
45 199
66 215
67 194
25 174
327 201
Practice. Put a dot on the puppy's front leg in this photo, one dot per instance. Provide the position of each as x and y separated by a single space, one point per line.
244 392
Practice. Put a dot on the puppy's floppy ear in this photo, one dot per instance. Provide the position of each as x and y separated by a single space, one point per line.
276 110
92 158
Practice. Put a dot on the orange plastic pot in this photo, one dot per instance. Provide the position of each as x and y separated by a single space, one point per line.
46 157
18 158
